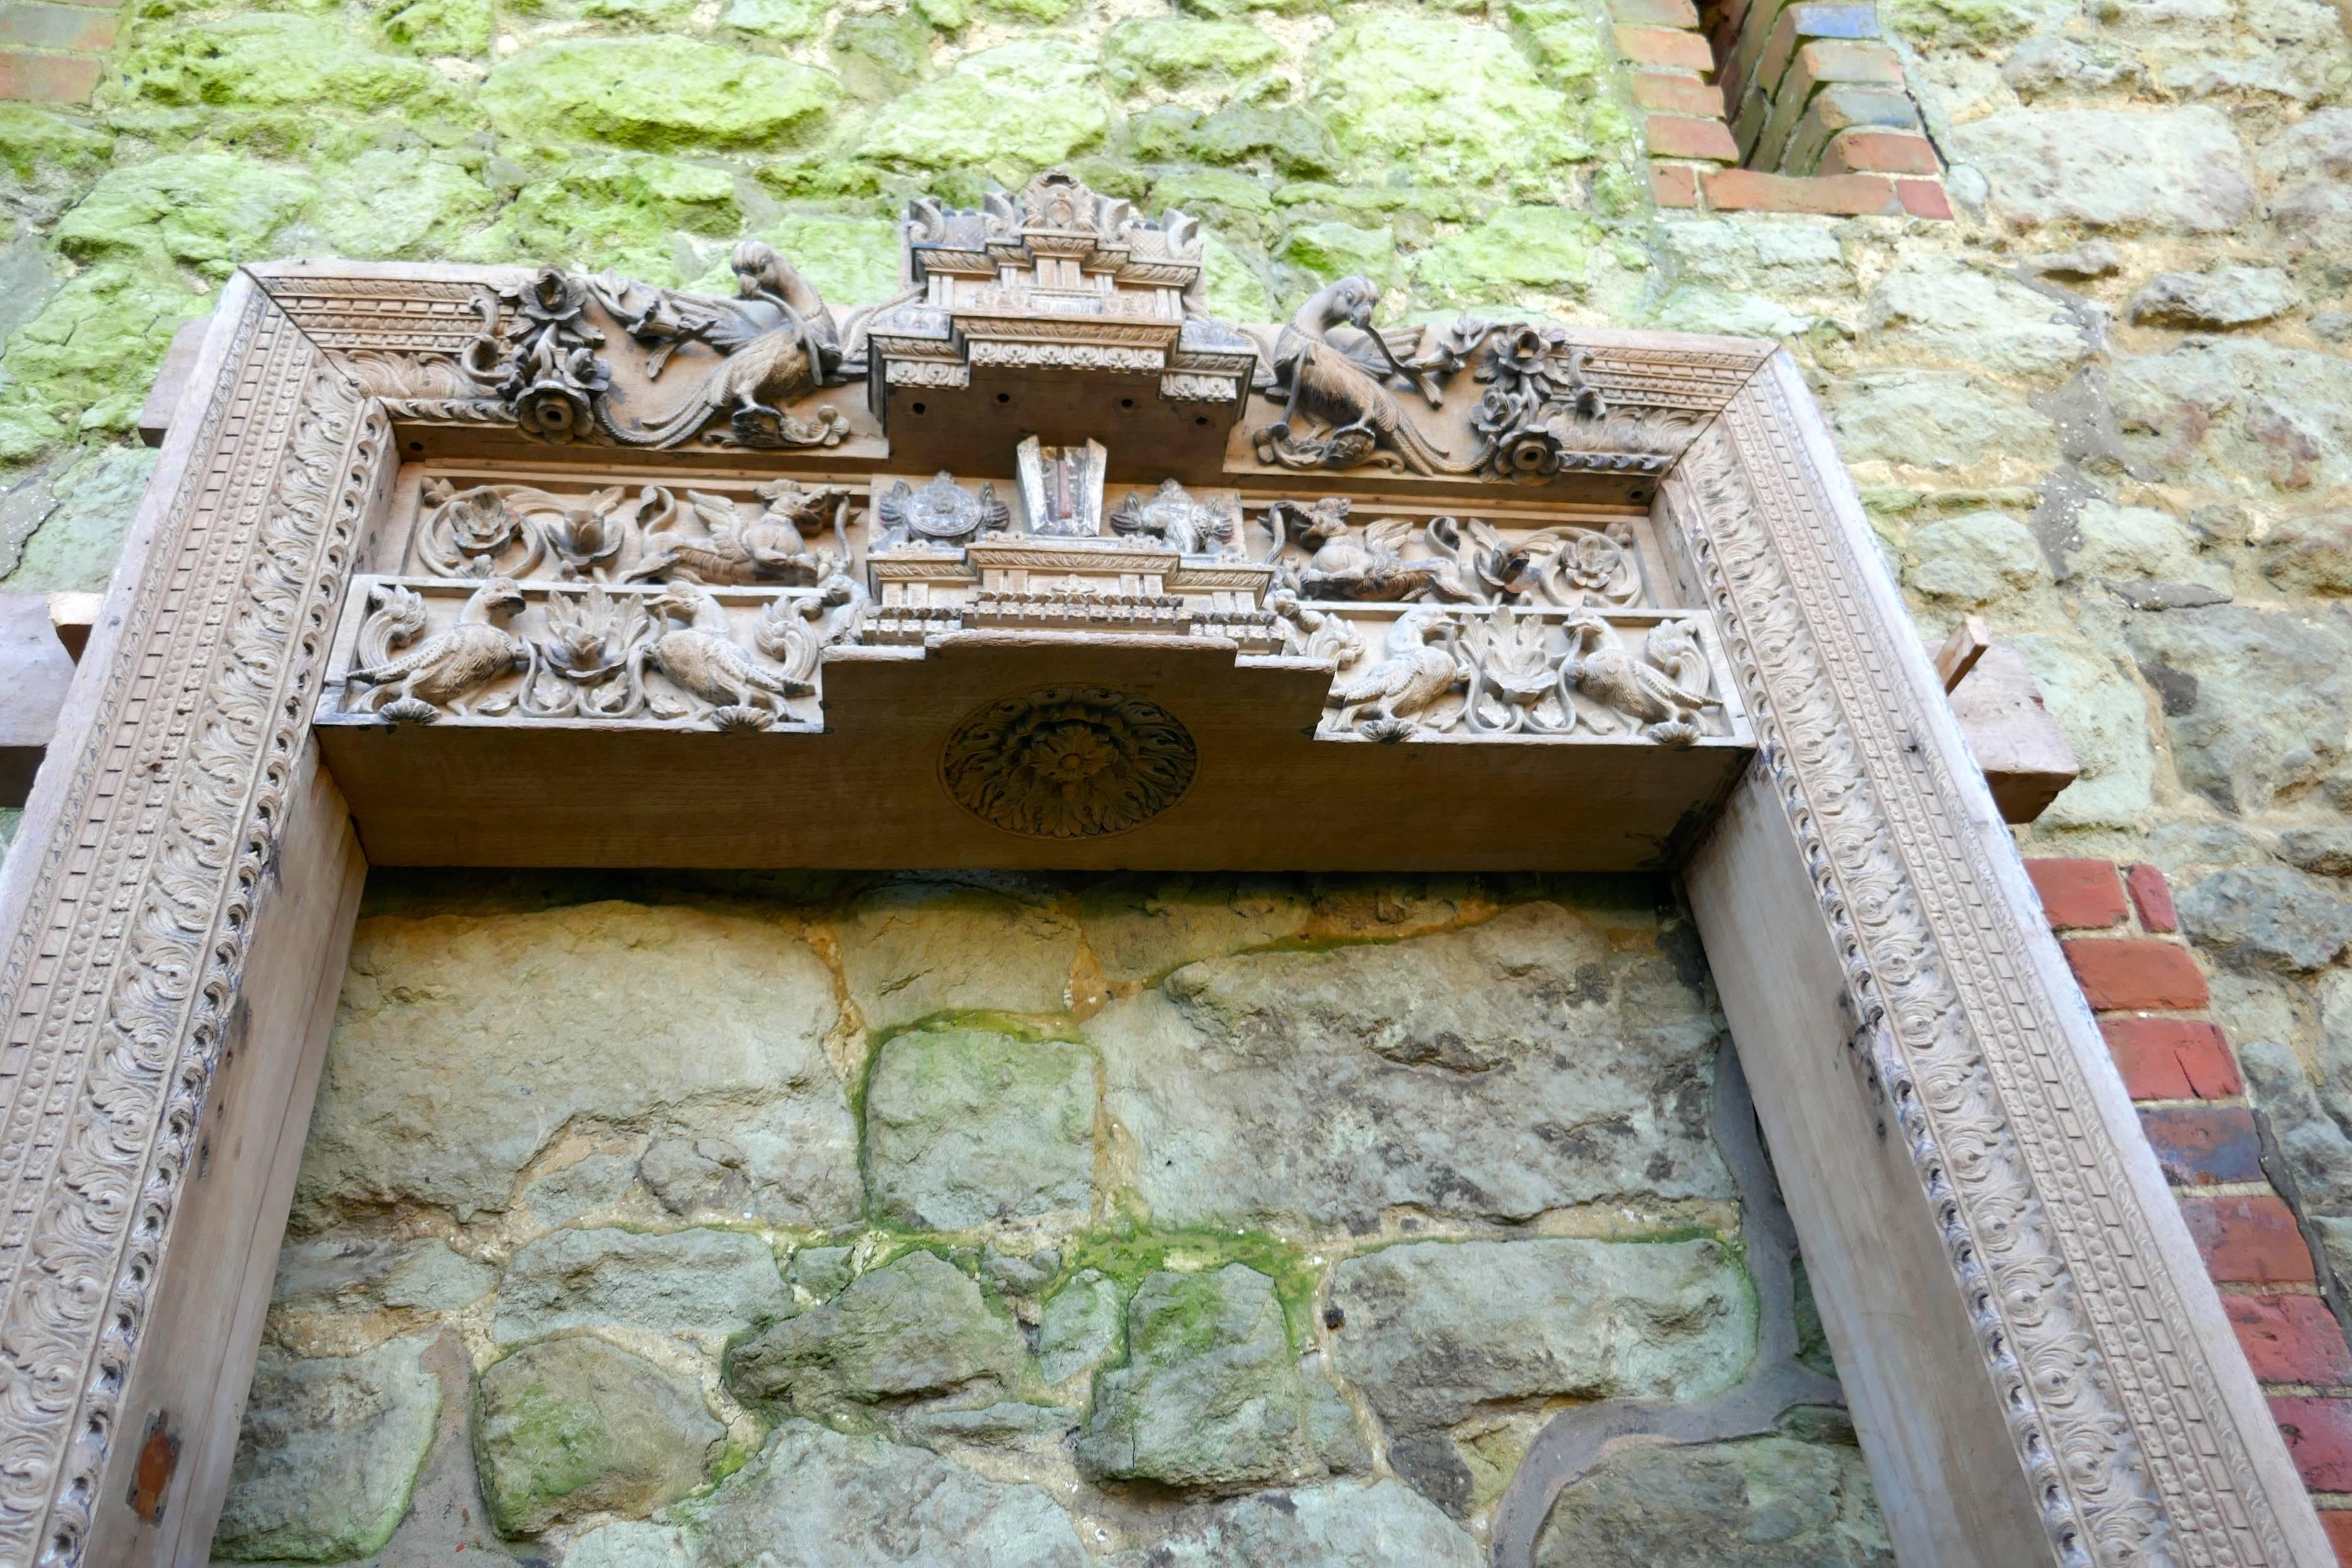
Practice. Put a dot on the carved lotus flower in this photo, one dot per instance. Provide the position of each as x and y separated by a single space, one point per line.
592 637
588 537
480 523
1522 351
1069 762
1528 454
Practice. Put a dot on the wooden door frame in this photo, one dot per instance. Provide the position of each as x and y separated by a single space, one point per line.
2035 1359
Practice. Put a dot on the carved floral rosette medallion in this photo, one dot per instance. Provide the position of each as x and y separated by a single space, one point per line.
1069 762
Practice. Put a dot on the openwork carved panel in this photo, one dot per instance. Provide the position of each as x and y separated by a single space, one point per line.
1038 564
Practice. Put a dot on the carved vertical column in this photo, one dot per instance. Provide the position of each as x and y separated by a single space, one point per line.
1923 1018
182 767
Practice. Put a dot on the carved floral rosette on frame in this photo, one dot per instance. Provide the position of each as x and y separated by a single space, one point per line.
2121 1425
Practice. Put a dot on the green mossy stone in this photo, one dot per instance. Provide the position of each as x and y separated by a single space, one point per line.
1517 250
1333 250
1176 51
661 94
391 203
1048 11
1160 134
576 1426
271 60
1290 140
84 359
33 140
784 21
1450 101
441 26
944 15
1977 22
205 210
1226 10
1015 108
965 1128
881 56
1237 292
1567 38
624 211
76 547
1419 201
650 16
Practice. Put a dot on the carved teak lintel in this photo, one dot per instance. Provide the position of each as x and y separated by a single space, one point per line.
718 574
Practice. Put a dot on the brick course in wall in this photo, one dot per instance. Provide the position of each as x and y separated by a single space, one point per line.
53 53
1773 105
2120 932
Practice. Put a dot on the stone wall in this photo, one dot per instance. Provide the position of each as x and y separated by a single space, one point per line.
1025 1221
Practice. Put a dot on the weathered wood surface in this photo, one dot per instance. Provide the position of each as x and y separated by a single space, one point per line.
34 674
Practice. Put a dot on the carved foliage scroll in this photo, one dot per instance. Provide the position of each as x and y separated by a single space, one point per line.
2070 1298
170 818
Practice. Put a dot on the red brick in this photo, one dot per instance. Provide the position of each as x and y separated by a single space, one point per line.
2318 1433
1687 136
2249 1240
1746 190
2205 1145
2078 894
2127 972
46 78
1665 46
1678 94
39 27
2337 1522
1925 199
2152 896
1673 184
2290 1339
2172 1059
1656 13
1863 150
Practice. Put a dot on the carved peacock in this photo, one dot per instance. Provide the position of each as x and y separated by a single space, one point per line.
1410 677
1599 666
777 336
437 673
1336 385
702 658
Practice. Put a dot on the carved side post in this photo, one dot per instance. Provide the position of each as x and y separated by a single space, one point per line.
2036 1360
178 905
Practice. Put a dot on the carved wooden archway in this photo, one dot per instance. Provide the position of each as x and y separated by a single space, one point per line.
2036 1364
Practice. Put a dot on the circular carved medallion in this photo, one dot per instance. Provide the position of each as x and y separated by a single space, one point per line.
1069 762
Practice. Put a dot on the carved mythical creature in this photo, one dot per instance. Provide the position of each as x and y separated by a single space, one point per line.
439 672
702 658
1411 676
1667 709
1172 516
1345 562
1311 634
1343 386
772 548
779 340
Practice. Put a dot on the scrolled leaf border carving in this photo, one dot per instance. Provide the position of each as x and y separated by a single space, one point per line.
2077 1319
147 891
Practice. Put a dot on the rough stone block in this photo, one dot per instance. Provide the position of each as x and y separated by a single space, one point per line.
1748 189
965 1128
689 1281
2172 1059
1864 152
1523 1064
2267 916
2255 700
1719 1503
2205 1145
2077 895
2249 1240
2108 169
2151 895
2318 1433
917 1329
329 1453
2290 1339
913 949
1209 1399
2122 973
1382 1522
574 1426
